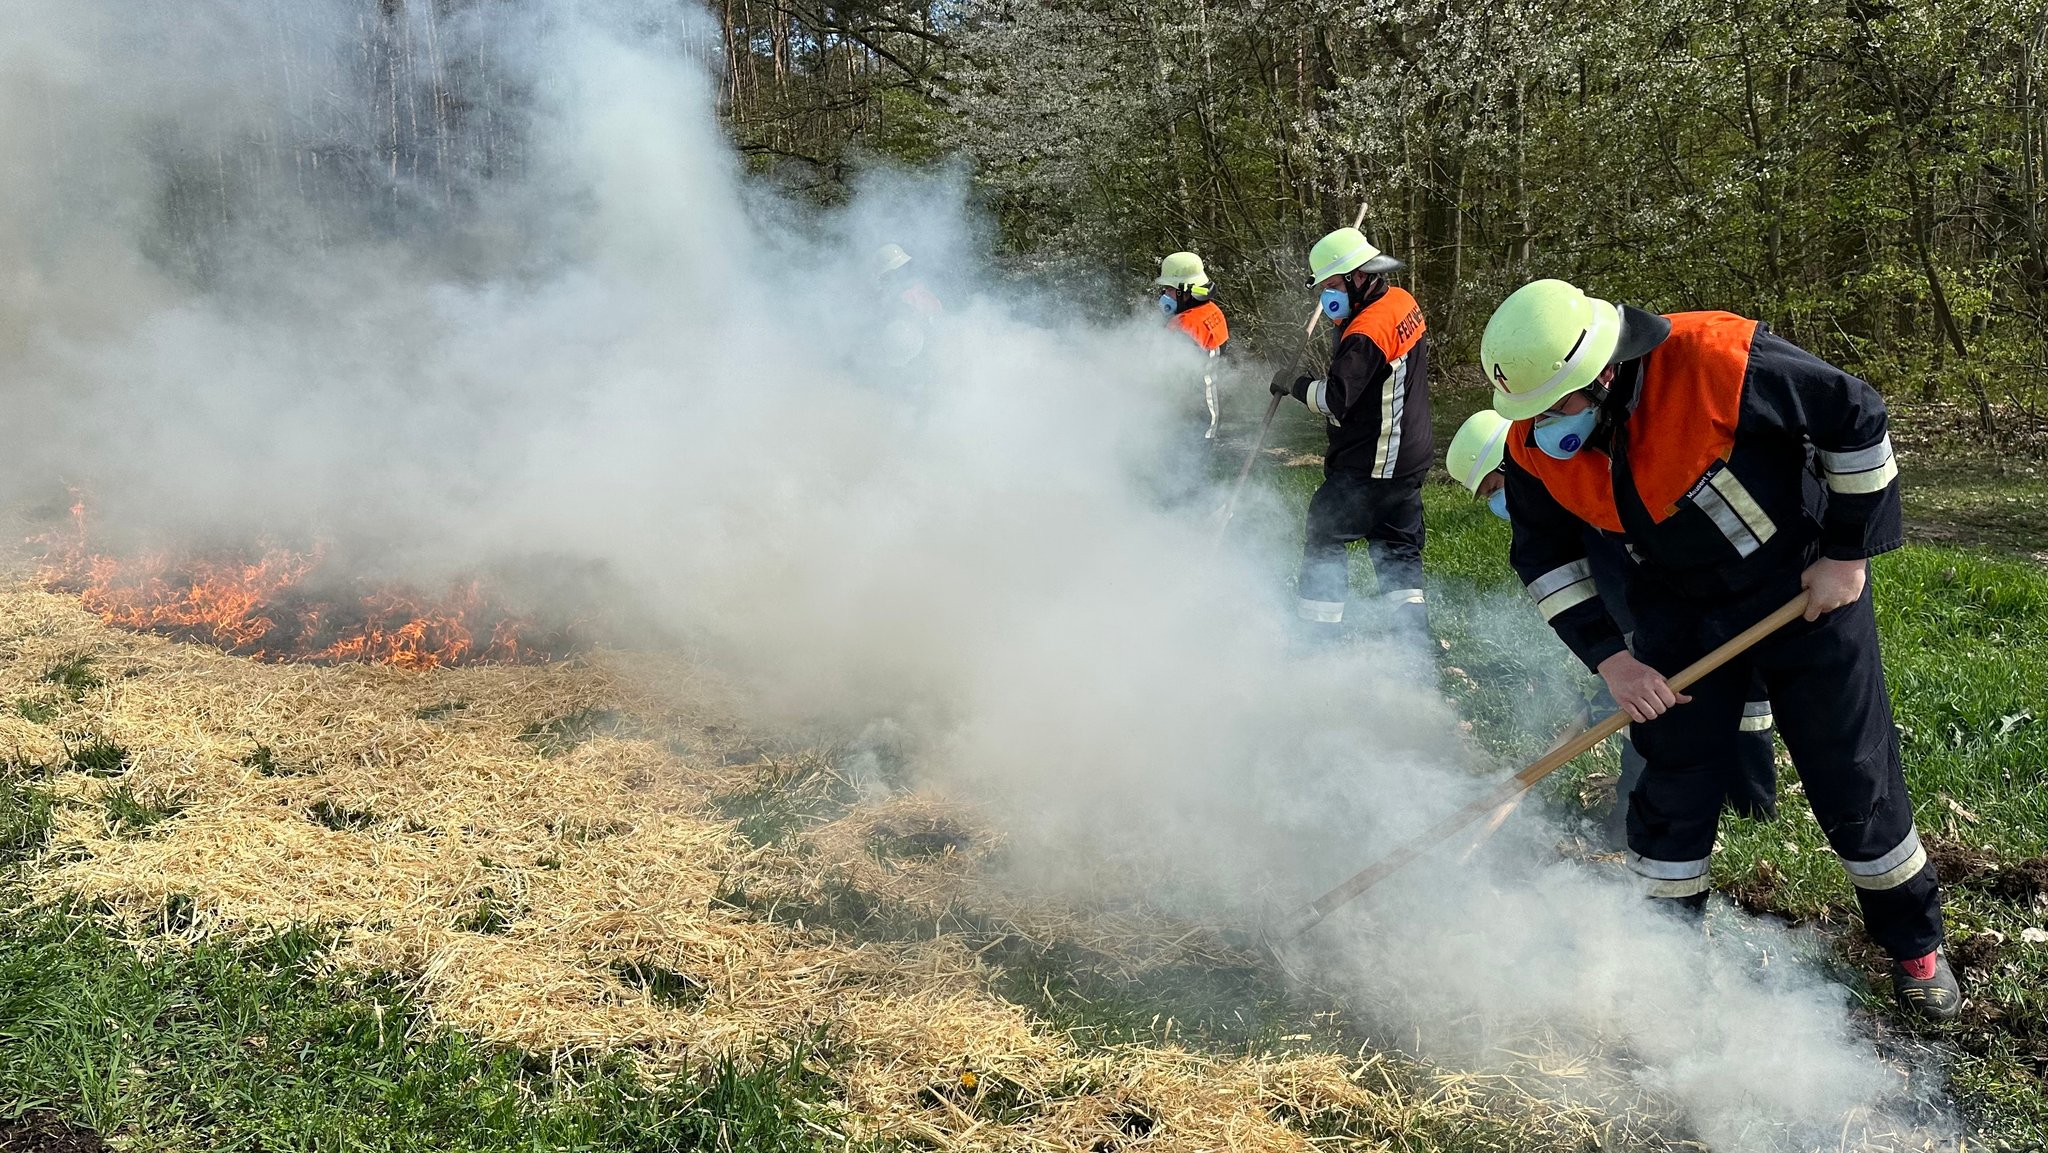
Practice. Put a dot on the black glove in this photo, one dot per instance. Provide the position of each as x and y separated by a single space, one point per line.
1283 382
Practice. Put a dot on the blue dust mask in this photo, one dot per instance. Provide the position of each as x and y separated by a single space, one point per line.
1498 503
1563 436
1336 303
1167 304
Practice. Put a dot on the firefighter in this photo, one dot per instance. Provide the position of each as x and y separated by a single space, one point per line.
1685 438
1375 399
909 308
1186 302
1475 459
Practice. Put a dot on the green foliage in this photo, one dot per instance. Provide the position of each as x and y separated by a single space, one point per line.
1868 179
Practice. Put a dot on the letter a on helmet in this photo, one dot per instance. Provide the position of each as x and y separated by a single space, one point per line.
1345 250
1477 448
1544 343
1182 270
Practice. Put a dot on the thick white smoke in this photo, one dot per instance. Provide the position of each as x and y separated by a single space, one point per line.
242 291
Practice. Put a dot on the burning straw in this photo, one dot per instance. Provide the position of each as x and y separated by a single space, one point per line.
279 604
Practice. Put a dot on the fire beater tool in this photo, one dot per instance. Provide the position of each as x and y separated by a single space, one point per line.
1308 331
1512 788
1500 815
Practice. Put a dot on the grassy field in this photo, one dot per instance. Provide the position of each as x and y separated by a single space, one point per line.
259 1045
260 1042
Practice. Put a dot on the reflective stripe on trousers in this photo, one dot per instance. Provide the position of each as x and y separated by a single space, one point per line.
1893 869
1671 878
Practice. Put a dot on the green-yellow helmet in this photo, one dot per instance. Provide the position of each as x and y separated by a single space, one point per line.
1182 270
1477 448
887 259
1345 250
1544 343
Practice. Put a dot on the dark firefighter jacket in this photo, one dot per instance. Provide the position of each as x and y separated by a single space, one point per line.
1376 394
1722 458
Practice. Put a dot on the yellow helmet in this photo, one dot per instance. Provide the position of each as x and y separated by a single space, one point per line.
887 259
1477 448
1182 270
1345 250
1544 343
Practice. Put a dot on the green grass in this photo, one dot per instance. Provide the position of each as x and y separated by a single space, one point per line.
74 674
1995 505
128 816
25 812
264 760
256 1047
97 757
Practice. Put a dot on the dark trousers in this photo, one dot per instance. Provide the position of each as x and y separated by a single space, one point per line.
1753 786
1826 687
1387 515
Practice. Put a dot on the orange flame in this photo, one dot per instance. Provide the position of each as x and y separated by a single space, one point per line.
265 608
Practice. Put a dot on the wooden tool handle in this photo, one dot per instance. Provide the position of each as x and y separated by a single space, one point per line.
1252 458
1521 782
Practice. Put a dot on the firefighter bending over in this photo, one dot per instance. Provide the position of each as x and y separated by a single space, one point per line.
1736 469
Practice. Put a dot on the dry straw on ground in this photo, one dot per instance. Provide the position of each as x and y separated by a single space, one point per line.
539 850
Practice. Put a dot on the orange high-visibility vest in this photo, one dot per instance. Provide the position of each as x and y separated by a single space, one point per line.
1393 323
1683 424
1204 325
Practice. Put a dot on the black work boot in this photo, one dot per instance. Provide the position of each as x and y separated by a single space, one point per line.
1927 986
1690 910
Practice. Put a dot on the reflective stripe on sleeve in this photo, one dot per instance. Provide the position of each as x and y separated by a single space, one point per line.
1756 717
1864 470
1893 869
1318 397
1563 587
1322 612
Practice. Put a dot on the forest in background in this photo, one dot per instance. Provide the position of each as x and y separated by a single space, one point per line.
1867 175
